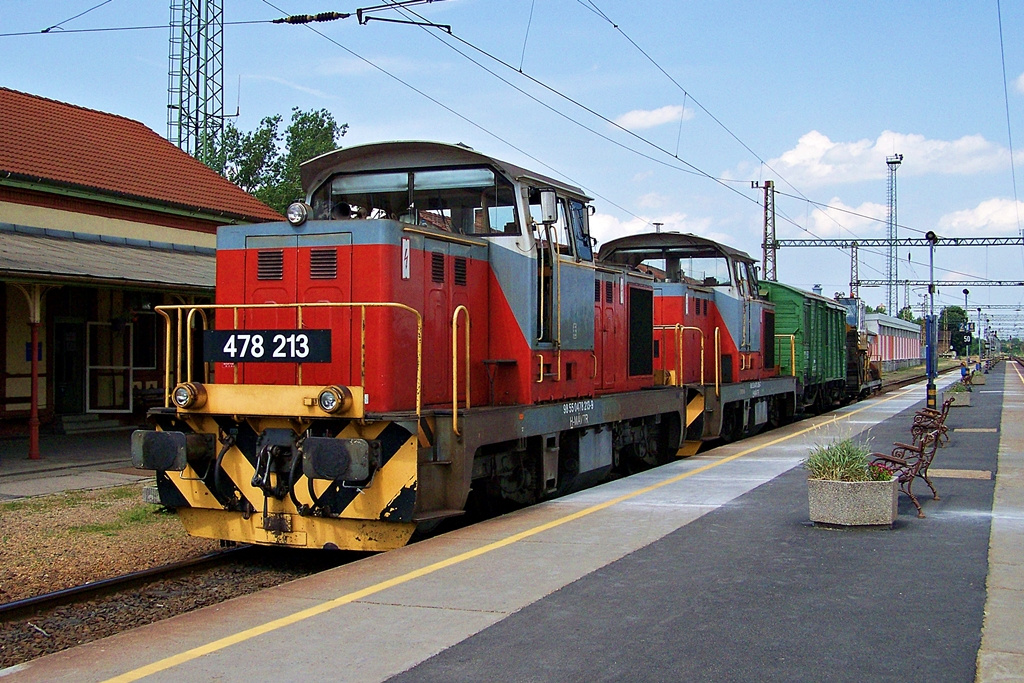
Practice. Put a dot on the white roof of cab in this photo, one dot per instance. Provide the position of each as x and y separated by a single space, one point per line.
383 156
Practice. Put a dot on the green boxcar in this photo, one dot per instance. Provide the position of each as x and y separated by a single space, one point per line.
810 343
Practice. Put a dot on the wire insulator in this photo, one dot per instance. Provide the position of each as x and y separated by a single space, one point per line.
311 18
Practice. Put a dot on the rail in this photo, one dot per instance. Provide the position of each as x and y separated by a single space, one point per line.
792 350
184 328
89 591
455 366
679 329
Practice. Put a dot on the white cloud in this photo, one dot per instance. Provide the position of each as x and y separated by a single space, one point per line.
990 218
652 200
293 85
1019 83
817 160
640 119
839 219
605 227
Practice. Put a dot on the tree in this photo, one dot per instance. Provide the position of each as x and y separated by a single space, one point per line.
952 319
907 314
257 162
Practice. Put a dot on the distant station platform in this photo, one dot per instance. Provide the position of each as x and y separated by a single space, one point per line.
706 569
68 462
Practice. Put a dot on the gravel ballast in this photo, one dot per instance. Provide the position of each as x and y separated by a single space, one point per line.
59 541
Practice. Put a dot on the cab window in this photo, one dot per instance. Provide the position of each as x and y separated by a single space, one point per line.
469 201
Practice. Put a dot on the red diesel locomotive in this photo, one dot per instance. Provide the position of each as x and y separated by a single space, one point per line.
431 321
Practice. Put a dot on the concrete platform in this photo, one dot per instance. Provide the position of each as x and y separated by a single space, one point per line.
68 462
704 569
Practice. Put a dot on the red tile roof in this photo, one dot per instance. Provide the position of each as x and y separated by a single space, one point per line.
70 145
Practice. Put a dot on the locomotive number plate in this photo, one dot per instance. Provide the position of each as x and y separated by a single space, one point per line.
267 346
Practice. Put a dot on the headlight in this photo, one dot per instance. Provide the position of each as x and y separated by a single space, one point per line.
335 399
189 395
297 213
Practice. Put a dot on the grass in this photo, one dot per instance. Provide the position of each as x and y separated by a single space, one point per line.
143 513
109 511
840 460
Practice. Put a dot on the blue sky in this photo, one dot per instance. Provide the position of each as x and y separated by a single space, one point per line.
811 95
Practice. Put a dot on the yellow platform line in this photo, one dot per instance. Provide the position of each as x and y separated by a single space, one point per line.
302 615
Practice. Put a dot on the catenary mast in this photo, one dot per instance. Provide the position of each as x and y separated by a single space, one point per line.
195 92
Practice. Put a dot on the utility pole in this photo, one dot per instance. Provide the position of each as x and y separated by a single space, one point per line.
931 330
768 248
854 271
891 267
195 91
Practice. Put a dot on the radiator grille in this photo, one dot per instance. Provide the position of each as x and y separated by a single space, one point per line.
323 264
436 266
270 265
597 291
460 271
608 292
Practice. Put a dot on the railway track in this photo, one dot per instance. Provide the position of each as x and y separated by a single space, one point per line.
25 607
38 625
47 623
18 609
905 381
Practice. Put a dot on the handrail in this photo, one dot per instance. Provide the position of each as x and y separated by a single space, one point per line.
188 326
792 351
235 308
455 366
718 361
679 329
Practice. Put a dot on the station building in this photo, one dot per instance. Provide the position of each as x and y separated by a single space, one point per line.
101 220
896 344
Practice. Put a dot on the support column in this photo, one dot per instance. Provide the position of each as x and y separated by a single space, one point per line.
34 296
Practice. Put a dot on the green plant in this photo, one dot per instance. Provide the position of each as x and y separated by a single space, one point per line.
842 460
956 388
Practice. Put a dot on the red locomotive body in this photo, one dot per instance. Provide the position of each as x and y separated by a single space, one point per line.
434 321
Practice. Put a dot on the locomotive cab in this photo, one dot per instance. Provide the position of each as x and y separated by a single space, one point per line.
715 334
422 324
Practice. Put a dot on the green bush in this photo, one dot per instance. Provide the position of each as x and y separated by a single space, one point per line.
844 460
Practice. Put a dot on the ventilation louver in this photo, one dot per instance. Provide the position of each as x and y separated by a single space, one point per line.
460 271
436 266
269 265
323 264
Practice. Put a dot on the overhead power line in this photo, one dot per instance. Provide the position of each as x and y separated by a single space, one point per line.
907 242
113 29
59 24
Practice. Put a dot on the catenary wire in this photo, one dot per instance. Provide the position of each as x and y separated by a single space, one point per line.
112 29
80 14
426 25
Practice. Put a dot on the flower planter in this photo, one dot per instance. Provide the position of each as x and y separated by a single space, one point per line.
852 503
978 378
961 399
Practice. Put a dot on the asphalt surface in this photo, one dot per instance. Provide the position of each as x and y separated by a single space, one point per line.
716 576
753 591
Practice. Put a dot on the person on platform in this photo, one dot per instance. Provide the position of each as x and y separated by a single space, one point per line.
965 374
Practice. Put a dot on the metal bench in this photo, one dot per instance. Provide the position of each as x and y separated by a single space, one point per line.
929 420
907 462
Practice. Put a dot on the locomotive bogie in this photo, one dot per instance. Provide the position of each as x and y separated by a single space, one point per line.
435 324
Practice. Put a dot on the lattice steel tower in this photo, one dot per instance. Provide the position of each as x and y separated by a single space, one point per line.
195 94
891 267
768 248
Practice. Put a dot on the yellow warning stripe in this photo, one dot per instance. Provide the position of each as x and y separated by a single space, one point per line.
302 615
